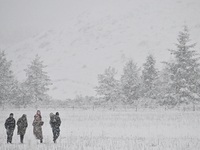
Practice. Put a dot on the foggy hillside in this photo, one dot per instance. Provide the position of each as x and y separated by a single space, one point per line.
105 34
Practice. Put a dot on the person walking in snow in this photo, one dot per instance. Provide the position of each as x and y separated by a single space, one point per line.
22 125
55 123
10 127
37 128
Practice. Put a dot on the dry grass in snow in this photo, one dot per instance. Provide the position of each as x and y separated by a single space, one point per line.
110 130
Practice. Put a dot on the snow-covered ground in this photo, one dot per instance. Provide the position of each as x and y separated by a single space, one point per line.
110 130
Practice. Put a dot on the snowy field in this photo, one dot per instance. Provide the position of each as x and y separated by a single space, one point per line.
110 130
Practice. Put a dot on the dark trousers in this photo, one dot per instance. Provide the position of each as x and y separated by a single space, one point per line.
9 135
56 133
21 138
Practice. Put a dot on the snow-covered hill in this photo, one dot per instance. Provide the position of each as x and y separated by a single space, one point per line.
107 34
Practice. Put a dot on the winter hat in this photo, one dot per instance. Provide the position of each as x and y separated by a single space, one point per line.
11 114
24 116
51 114
57 113
38 112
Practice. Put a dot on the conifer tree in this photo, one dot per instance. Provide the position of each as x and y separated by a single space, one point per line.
149 77
7 85
130 83
166 94
108 86
184 71
37 81
23 97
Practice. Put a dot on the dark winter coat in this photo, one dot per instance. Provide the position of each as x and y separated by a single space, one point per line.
22 125
52 121
10 123
58 122
55 121
37 128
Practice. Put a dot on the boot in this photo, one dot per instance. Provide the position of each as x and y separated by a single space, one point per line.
11 140
41 141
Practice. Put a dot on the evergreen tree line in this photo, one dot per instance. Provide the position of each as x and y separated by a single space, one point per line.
31 92
176 85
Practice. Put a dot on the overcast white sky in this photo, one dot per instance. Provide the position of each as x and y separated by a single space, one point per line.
20 19
24 18
28 17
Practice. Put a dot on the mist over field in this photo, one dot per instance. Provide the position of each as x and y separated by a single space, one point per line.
78 40
123 74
